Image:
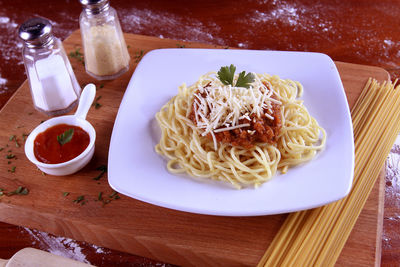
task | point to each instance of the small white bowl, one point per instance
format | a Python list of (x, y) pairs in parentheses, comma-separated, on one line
[(78, 119)]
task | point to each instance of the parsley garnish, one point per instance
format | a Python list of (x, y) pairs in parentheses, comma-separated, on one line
[(226, 75), (65, 137)]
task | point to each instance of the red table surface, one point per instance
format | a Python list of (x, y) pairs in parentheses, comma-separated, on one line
[(364, 32)]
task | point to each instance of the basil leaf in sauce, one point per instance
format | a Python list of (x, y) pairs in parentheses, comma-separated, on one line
[(65, 137)]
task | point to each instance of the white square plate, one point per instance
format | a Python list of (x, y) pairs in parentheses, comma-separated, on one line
[(136, 170)]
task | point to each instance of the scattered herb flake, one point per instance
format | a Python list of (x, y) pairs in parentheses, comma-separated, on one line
[(100, 197), (96, 104), (79, 199), (180, 45), (65, 137), (24, 191), (24, 136), (1, 193), (12, 169), (128, 46), (103, 169), (113, 194), (1, 148), (77, 55), (19, 191), (10, 156), (139, 56), (8, 162), (12, 137), (101, 85), (65, 194)]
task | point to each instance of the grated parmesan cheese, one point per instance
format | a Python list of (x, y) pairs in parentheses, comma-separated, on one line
[(219, 107)]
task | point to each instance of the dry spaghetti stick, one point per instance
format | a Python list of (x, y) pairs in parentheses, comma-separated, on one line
[(361, 189)]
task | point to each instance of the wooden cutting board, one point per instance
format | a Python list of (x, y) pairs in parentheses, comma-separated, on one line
[(139, 228)]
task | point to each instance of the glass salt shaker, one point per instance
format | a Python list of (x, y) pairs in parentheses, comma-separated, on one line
[(54, 87), (105, 51)]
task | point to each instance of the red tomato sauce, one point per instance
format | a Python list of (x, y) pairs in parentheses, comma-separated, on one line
[(47, 149)]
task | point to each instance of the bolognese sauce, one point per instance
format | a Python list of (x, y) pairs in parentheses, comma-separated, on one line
[(255, 129)]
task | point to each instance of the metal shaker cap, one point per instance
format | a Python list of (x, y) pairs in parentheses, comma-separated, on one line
[(93, 7), (36, 32)]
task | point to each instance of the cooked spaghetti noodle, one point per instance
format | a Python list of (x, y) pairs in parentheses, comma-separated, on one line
[(193, 148)]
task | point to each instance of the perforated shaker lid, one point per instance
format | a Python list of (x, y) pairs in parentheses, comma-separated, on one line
[(94, 6), (36, 32)]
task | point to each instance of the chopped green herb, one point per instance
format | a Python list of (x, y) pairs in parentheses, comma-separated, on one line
[(1, 148), (96, 104), (128, 46), (12, 137), (65, 194), (103, 169), (106, 201), (8, 162), (1, 189), (19, 191), (100, 197), (65, 137), (9, 150), (113, 194), (24, 136), (139, 56), (1, 193), (20, 126), (10, 156), (12, 169), (79, 199), (226, 75), (77, 55), (226, 47), (24, 191), (101, 85), (180, 45)]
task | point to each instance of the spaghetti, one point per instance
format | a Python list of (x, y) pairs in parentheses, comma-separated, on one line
[(316, 237), (192, 142)]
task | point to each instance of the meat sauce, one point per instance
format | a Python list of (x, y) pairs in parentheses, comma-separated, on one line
[(47, 149), (261, 130)]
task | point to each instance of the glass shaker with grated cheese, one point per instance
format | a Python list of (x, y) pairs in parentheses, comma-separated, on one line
[(105, 51)]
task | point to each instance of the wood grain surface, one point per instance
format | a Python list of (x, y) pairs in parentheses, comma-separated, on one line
[(139, 228)]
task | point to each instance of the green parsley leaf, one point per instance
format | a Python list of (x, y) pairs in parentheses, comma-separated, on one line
[(65, 137), (226, 74), (244, 80), (65, 194)]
